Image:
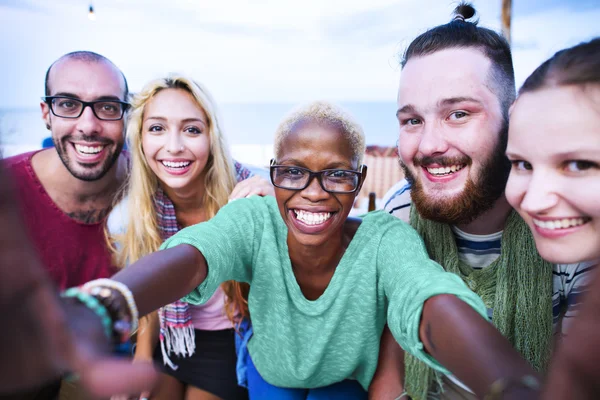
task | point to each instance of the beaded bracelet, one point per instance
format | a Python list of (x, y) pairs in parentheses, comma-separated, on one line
[(500, 386), (96, 287), (93, 304)]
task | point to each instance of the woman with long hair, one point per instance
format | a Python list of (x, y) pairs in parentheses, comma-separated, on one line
[(181, 175)]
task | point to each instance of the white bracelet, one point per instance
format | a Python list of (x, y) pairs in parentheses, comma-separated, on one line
[(97, 284)]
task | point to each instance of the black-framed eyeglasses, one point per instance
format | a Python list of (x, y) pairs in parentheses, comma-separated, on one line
[(292, 177), (68, 107)]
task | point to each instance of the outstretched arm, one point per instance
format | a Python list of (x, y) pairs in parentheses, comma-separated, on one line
[(471, 348), (163, 277)]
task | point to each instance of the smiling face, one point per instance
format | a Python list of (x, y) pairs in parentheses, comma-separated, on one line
[(314, 216), (175, 140), (88, 147), (554, 146), (450, 141)]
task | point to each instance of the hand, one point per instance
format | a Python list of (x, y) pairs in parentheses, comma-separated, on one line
[(251, 186), (101, 374)]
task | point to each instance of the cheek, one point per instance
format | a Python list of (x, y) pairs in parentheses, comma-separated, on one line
[(516, 188), (584, 195), (200, 147), (407, 147)]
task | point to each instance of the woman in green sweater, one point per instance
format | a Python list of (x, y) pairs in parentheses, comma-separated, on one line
[(323, 286)]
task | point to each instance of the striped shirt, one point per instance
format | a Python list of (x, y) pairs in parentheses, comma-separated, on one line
[(479, 251)]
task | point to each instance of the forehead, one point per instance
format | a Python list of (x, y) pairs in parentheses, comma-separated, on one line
[(449, 73), (317, 144), (87, 80), (174, 103), (557, 119)]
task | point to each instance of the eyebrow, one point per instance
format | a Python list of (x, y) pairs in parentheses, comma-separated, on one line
[(454, 100), (185, 120), (409, 108), (298, 163), (74, 96)]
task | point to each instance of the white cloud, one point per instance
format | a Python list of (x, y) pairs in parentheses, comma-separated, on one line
[(256, 51)]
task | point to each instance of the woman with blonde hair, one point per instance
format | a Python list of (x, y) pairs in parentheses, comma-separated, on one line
[(181, 174)]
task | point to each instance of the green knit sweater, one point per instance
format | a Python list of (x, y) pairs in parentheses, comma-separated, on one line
[(384, 275)]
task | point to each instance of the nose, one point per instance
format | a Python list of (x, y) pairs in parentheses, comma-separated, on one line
[(541, 194), (88, 123), (433, 140), (174, 143), (314, 192)]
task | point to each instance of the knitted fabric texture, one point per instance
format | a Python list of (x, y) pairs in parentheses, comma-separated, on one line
[(176, 327), (517, 286)]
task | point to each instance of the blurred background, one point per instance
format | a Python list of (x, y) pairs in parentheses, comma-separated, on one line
[(258, 58)]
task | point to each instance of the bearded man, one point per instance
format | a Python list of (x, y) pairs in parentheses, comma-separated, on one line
[(456, 88)]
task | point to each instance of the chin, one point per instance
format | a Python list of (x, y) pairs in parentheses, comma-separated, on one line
[(567, 254)]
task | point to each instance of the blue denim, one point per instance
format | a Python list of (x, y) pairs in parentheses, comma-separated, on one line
[(243, 334), (258, 389)]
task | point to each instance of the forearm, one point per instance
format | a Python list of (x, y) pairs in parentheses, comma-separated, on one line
[(147, 336), (164, 277), (574, 368), (388, 381), (470, 347)]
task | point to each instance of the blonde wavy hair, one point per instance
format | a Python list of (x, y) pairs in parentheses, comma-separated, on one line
[(142, 235)]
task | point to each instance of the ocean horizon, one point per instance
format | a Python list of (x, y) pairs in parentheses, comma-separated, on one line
[(249, 128)]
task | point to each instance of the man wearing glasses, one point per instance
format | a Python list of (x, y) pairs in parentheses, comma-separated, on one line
[(65, 192)]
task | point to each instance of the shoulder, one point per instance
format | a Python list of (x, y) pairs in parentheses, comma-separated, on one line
[(397, 200), (390, 228), (116, 223), (18, 160)]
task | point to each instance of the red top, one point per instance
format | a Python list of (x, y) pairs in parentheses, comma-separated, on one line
[(72, 252)]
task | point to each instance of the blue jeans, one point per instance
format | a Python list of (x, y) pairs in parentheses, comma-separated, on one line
[(259, 389)]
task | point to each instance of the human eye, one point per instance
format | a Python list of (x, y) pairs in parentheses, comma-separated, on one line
[(155, 128), (410, 121), (66, 104), (340, 174), (291, 172), (193, 130), (521, 165), (579, 165), (456, 115)]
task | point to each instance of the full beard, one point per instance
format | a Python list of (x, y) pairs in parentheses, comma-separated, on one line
[(88, 173), (478, 196)]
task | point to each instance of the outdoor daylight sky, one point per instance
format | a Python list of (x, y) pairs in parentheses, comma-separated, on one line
[(263, 50)]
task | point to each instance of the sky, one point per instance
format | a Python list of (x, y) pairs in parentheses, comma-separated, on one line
[(263, 51)]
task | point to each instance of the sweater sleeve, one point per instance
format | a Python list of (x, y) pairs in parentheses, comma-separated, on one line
[(409, 278), (227, 242)]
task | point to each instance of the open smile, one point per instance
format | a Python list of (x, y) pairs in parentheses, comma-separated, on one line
[(309, 222), (89, 153), (444, 171), (555, 228), (177, 166)]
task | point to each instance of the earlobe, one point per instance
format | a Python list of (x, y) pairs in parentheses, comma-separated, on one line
[(45, 115)]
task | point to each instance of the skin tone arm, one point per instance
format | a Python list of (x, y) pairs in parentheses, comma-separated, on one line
[(452, 332), (574, 370), (388, 381), (42, 336)]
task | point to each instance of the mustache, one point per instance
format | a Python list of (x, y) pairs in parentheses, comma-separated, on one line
[(87, 138), (442, 161)]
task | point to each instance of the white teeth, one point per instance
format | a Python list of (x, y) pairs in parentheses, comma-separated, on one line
[(310, 218), (180, 164), (88, 149), (445, 170), (560, 223)]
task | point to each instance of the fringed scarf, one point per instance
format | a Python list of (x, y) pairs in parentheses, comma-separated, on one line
[(517, 286), (176, 327)]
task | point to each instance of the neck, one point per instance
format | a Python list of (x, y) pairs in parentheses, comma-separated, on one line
[(189, 204), (317, 259), (491, 221)]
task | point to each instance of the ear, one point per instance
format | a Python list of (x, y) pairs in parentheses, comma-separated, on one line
[(46, 114), (362, 178)]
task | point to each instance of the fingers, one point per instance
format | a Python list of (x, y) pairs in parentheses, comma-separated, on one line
[(256, 185), (105, 377)]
